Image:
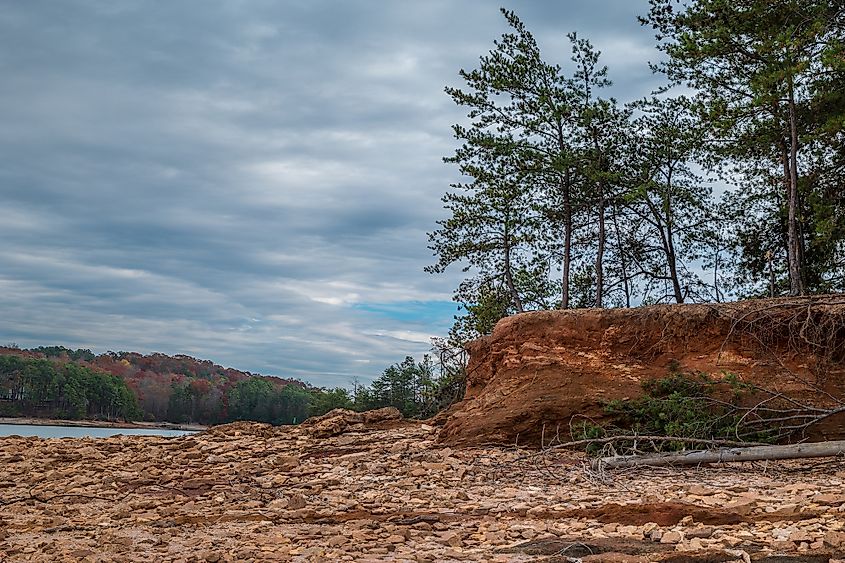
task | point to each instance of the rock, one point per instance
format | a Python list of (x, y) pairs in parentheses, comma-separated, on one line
[(332, 423), (613, 557), (695, 544), (835, 539), (338, 421), (671, 537), (450, 538), (382, 415), (742, 506), (351, 497), (648, 528), (337, 541), (800, 536), (739, 554), (828, 499), (700, 532), (700, 491), (296, 502), (286, 462)]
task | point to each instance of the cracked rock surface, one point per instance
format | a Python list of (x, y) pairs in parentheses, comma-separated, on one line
[(381, 489)]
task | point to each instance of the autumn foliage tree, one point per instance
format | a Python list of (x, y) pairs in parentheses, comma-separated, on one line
[(59, 382)]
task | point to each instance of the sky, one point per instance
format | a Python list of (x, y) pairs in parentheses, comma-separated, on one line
[(248, 181)]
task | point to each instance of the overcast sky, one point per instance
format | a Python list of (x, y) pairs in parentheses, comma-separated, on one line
[(247, 181)]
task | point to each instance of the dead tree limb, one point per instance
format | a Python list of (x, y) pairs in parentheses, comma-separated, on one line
[(726, 455), (647, 438)]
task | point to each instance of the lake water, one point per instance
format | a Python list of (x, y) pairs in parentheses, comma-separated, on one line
[(81, 432)]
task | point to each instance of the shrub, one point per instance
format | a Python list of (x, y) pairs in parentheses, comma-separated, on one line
[(692, 405)]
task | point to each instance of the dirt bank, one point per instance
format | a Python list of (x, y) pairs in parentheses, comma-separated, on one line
[(371, 490), (539, 369)]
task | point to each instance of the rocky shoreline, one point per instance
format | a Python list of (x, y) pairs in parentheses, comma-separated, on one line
[(356, 488)]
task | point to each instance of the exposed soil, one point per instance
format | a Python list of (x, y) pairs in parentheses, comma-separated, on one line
[(537, 370)]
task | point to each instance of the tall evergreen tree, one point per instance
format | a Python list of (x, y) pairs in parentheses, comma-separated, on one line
[(492, 221), (669, 197), (517, 93), (760, 68), (600, 123)]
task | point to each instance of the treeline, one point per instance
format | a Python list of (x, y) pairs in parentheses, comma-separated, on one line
[(572, 199), (57, 382), (177, 389), (416, 389), (41, 388)]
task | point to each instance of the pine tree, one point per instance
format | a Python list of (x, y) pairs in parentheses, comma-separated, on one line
[(762, 69), (492, 220), (669, 197), (516, 94)]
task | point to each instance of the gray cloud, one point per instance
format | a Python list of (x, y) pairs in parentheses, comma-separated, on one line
[(247, 181)]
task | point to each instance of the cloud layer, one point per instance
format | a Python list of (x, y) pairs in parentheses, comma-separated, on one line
[(250, 181)]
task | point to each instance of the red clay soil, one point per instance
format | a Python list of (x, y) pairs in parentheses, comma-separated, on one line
[(537, 370)]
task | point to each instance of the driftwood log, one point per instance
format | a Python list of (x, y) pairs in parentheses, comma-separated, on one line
[(725, 455)]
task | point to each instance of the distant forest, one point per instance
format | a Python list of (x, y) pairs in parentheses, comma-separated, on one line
[(57, 382)]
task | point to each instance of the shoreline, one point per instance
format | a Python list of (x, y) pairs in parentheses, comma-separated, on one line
[(141, 500), (101, 424)]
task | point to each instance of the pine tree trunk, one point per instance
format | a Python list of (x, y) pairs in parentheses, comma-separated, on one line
[(567, 239), (672, 260), (716, 275), (517, 302), (794, 254), (600, 255), (671, 255), (626, 284)]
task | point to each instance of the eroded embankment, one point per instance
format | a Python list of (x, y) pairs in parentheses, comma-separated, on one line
[(374, 488), (538, 370)]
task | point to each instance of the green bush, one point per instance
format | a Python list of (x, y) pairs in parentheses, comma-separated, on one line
[(692, 405)]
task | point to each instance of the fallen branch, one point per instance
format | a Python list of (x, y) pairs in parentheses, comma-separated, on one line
[(642, 438), (726, 455)]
